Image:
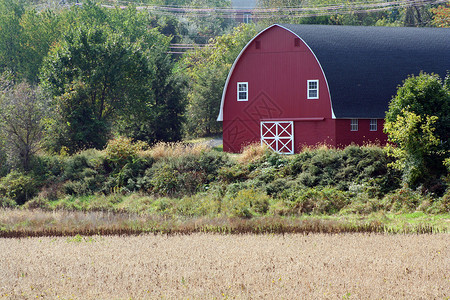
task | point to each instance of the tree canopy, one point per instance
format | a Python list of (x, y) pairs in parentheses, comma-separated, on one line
[(207, 70), (418, 124)]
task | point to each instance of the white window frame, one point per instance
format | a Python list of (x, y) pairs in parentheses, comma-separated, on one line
[(373, 125), (246, 91), (354, 125), (316, 81)]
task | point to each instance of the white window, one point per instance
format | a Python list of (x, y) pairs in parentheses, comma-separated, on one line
[(313, 89), (354, 125), (242, 91), (373, 125)]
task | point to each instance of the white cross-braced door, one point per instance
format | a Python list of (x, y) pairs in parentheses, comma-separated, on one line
[(279, 136)]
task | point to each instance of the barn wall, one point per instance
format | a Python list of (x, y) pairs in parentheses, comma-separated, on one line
[(344, 136), (277, 75), (239, 133), (314, 133)]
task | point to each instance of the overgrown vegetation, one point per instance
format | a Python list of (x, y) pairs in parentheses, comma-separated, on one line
[(195, 181)]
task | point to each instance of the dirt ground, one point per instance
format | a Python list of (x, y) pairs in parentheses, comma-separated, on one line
[(208, 266)]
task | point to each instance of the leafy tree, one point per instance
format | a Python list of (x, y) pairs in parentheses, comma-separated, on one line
[(207, 69), (93, 74), (25, 38), (418, 123), (441, 16), (39, 31), (21, 112), (10, 35)]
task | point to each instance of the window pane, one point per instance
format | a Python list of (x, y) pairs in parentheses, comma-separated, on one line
[(313, 94)]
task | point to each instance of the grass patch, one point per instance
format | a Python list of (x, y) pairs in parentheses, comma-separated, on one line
[(22, 223)]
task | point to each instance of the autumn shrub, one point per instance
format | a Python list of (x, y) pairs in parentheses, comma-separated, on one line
[(172, 150), (253, 152)]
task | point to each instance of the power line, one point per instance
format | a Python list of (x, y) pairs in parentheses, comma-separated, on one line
[(288, 12)]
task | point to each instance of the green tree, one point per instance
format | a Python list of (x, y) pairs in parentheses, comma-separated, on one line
[(25, 38), (93, 75), (418, 125), (10, 35), (21, 110), (207, 70)]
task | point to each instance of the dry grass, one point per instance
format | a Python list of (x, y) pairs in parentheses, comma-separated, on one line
[(207, 266), (162, 150), (253, 152), (37, 223)]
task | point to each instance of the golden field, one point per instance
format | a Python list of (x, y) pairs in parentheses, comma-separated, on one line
[(213, 266)]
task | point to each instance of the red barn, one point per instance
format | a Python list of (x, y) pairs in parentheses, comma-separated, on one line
[(297, 85)]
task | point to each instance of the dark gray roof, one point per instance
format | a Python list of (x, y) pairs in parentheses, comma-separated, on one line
[(365, 65)]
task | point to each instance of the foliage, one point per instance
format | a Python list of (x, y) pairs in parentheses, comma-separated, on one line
[(26, 35), (414, 140), (246, 203), (418, 123), (336, 12), (126, 177), (93, 74), (21, 110), (207, 69), (18, 187), (184, 175), (121, 150), (441, 17)]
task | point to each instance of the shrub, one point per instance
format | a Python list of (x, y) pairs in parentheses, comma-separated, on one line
[(201, 204), (123, 150), (404, 199), (18, 187), (325, 200), (442, 205), (185, 175), (7, 202), (246, 204)]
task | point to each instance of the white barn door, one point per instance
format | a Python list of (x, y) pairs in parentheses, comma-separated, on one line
[(279, 136)]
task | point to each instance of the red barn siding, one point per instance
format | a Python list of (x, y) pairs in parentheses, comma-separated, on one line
[(361, 137), (277, 75)]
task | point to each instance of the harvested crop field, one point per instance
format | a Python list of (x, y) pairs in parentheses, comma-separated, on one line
[(209, 266)]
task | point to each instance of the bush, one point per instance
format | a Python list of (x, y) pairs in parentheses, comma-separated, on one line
[(246, 204), (18, 187), (185, 175), (325, 200), (442, 205), (7, 202), (404, 200), (123, 150)]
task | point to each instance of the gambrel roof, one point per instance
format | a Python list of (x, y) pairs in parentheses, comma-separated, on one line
[(364, 65)]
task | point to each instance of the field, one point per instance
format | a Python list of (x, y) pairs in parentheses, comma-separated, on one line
[(214, 266)]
